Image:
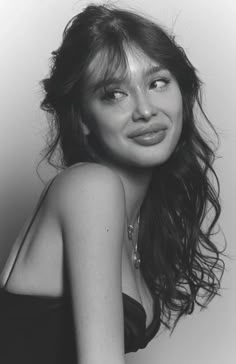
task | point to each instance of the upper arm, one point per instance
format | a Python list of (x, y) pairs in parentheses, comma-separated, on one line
[(92, 212)]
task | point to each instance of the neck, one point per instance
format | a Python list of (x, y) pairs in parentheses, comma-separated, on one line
[(135, 182)]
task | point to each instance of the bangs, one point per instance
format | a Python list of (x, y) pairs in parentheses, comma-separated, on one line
[(108, 66)]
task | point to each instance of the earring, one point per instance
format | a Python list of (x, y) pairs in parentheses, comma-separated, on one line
[(85, 130)]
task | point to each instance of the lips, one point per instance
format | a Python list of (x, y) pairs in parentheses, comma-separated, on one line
[(147, 130)]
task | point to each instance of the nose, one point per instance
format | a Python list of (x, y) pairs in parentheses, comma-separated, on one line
[(144, 108)]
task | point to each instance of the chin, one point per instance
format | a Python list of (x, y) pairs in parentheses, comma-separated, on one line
[(151, 164), (152, 158)]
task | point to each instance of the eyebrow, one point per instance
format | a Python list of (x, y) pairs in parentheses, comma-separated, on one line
[(118, 80), (153, 69), (104, 83)]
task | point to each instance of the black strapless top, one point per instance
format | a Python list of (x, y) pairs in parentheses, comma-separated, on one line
[(39, 329)]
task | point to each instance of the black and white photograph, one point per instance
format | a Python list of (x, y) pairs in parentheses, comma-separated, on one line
[(117, 182)]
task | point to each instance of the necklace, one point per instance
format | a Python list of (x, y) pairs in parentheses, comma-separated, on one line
[(134, 239)]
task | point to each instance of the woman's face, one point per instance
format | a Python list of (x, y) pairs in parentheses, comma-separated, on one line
[(135, 119)]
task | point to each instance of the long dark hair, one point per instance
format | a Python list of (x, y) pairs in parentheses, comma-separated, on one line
[(180, 262)]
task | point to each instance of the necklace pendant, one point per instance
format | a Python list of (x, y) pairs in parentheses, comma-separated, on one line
[(136, 259), (135, 255), (130, 232)]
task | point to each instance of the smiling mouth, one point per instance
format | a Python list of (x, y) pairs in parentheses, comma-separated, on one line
[(147, 131), (150, 138)]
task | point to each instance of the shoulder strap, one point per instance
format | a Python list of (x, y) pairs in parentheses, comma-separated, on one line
[(17, 247)]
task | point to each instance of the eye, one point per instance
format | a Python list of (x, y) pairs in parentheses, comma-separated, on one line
[(159, 83), (113, 95)]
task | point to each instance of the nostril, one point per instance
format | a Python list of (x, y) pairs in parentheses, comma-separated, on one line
[(144, 112)]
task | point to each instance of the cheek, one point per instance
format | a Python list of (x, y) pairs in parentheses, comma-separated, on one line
[(176, 111), (177, 108), (178, 121), (101, 125), (95, 119)]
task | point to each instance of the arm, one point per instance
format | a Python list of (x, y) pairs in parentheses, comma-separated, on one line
[(92, 212)]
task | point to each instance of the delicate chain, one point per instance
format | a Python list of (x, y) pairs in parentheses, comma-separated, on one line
[(135, 256)]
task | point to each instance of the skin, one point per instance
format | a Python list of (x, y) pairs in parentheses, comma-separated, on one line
[(148, 95), (78, 215)]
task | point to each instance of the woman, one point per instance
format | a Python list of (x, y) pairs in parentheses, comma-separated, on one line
[(117, 244)]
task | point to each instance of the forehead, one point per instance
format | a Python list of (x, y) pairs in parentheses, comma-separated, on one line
[(138, 63), (111, 66)]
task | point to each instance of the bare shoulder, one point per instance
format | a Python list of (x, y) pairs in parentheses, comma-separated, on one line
[(87, 188), (86, 175)]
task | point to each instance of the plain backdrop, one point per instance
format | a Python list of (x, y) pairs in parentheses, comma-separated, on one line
[(29, 31)]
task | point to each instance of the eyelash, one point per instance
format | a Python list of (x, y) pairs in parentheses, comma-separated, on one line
[(163, 80), (108, 95)]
